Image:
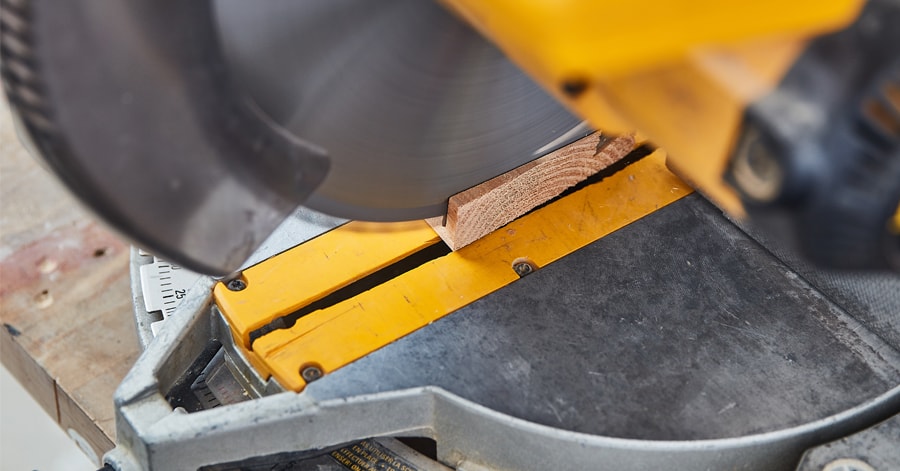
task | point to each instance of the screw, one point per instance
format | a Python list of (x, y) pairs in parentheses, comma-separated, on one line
[(523, 268), (310, 373), (236, 284)]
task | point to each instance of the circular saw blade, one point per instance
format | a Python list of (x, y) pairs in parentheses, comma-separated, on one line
[(411, 105)]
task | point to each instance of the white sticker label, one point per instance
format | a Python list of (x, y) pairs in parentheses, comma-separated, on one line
[(164, 286)]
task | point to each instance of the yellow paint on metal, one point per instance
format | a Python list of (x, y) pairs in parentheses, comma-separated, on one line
[(558, 40), (312, 270), (682, 72), (694, 108), (335, 336)]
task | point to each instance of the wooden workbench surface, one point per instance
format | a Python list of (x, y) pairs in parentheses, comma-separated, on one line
[(65, 301)]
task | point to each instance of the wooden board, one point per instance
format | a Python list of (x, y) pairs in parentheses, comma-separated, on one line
[(478, 211), (65, 300)]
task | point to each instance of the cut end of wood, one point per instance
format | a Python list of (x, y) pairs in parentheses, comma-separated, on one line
[(437, 223), (480, 210)]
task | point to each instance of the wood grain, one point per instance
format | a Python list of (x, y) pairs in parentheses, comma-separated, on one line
[(478, 211), (65, 300)]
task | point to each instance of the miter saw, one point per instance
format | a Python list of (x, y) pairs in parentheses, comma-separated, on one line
[(625, 325)]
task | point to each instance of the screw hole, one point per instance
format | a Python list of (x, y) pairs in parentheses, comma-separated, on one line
[(573, 87), (43, 299), (100, 252)]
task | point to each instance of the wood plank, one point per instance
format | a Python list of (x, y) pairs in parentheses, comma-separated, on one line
[(478, 211), (27, 371), (83, 429), (65, 298)]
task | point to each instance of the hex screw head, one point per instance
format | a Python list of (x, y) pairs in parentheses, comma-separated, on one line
[(236, 284), (523, 268), (310, 373)]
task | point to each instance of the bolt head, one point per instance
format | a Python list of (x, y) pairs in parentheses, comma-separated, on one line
[(311, 373), (523, 268), (236, 284)]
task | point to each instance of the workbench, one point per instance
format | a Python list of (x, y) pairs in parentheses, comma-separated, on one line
[(65, 301)]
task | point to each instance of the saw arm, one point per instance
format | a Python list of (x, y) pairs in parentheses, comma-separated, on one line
[(195, 129)]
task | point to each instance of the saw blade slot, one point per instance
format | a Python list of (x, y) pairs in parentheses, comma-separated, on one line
[(364, 284)]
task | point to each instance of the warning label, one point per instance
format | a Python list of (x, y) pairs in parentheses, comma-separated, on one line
[(370, 456)]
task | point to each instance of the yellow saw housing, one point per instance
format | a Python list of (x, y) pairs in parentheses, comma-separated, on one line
[(650, 65)]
